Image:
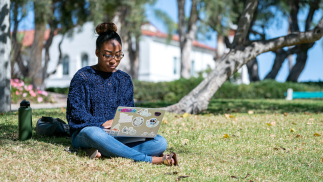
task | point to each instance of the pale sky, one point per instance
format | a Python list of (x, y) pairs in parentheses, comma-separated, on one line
[(312, 70)]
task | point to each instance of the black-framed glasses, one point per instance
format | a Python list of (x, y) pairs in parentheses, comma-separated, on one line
[(117, 57)]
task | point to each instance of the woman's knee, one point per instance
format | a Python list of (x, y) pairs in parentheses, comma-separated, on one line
[(92, 132), (161, 142)]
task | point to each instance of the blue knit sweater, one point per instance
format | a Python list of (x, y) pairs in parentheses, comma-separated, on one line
[(94, 96)]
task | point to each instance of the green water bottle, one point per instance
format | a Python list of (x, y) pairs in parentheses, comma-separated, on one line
[(24, 119)]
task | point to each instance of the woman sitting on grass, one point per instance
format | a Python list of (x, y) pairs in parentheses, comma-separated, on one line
[(95, 93)]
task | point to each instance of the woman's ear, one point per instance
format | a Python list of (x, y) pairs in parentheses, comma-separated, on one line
[(97, 52)]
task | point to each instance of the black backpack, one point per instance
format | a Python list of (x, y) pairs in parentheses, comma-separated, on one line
[(49, 126)]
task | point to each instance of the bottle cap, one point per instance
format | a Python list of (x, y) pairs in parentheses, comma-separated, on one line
[(24, 103)]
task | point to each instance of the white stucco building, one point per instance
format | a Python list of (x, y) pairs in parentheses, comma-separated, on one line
[(158, 61)]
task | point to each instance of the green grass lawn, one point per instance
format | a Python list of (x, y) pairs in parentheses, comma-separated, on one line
[(276, 143)]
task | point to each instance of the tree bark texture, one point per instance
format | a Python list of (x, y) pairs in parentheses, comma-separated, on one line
[(198, 99), (133, 50), (302, 53), (5, 62), (35, 62), (281, 55), (299, 66), (253, 70), (16, 47), (186, 35)]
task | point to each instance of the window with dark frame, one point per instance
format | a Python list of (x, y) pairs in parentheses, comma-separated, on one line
[(65, 63), (84, 60), (192, 68), (175, 65)]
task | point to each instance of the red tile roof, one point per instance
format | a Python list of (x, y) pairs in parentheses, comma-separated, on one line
[(29, 37), (175, 38)]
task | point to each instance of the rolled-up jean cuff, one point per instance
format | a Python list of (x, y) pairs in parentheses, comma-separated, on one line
[(148, 159)]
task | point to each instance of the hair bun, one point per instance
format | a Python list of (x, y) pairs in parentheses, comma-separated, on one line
[(105, 27)]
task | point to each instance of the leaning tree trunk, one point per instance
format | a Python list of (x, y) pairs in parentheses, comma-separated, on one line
[(198, 99), (253, 70), (5, 63)]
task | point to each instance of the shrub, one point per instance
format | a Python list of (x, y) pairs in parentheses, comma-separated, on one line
[(173, 91), (21, 91), (63, 90)]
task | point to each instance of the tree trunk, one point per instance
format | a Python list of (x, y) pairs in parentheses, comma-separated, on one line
[(299, 66), (35, 62), (303, 49), (290, 63), (198, 99), (47, 58), (133, 50), (5, 63), (253, 70), (186, 35), (281, 55)]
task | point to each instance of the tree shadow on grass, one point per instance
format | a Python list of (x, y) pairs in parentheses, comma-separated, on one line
[(9, 135), (263, 106), (221, 106)]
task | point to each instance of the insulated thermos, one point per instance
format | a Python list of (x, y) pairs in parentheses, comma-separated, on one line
[(24, 119)]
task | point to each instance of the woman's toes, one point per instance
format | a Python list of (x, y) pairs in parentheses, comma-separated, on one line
[(98, 155)]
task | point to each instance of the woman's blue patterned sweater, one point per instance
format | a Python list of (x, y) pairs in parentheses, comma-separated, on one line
[(94, 96)]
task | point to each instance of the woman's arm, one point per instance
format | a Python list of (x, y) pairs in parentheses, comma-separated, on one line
[(126, 94)]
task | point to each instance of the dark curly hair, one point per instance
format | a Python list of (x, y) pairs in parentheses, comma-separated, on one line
[(106, 31)]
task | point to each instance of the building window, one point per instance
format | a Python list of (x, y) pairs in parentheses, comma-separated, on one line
[(192, 68), (66, 62), (84, 60), (175, 65)]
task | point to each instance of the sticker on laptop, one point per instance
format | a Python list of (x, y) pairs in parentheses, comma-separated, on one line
[(144, 113), (157, 113), (145, 134), (138, 121), (127, 110), (116, 127), (129, 130), (125, 118), (152, 134), (152, 123), (115, 130)]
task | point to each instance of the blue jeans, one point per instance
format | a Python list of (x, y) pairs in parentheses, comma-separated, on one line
[(95, 137)]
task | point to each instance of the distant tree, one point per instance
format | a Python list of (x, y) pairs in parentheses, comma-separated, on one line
[(60, 16), (292, 9), (198, 99), (5, 47)]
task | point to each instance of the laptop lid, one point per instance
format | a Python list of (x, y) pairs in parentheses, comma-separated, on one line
[(136, 122)]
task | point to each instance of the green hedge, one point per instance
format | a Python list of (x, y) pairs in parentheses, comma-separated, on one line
[(63, 90), (173, 91)]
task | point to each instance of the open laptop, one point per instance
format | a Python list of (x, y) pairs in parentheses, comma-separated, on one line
[(136, 122)]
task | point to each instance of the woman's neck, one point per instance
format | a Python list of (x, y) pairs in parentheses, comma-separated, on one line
[(99, 68)]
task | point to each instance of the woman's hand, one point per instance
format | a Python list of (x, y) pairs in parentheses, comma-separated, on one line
[(108, 124)]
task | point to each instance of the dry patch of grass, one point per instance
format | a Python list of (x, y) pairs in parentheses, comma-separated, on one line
[(257, 147)]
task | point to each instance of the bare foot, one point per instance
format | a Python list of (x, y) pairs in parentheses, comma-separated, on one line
[(98, 155)]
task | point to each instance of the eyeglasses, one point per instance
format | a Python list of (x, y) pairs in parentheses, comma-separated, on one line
[(117, 57)]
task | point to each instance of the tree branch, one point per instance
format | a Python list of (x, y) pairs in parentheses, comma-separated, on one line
[(244, 22), (295, 38), (59, 57)]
